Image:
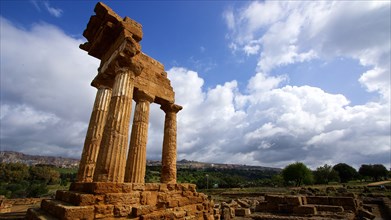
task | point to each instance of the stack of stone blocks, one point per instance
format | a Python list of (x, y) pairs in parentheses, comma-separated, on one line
[(128, 201), (308, 205)]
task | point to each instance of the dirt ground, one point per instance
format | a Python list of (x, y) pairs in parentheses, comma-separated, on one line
[(18, 211)]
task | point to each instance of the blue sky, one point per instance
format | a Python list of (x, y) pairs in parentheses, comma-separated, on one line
[(262, 82)]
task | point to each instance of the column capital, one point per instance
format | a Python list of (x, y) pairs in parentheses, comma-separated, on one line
[(171, 107), (141, 95)]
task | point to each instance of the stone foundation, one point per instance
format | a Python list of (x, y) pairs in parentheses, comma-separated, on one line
[(126, 201), (294, 207)]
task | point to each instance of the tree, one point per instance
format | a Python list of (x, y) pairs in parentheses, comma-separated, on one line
[(375, 171), (13, 172), (365, 170), (37, 190), (379, 171), (345, 172), (277, 180), (46, 174), (325, 174), (298, 173)]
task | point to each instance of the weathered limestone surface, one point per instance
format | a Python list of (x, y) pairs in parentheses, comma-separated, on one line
[(128, 200), (309, 207), (137, 156), (169, 144), (154, 79), (111, 162), (94, 135)]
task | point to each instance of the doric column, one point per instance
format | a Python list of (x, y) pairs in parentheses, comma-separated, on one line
[(110, 166), (168, 174), (94, 135), (137, 156)]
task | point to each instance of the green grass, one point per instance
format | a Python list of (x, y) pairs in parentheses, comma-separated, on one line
[(53, 189), (66, 170)]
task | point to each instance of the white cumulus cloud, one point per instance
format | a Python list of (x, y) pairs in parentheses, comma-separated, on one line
[(293, 32)]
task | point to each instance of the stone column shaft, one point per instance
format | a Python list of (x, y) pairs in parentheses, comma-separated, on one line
[(94, 135), (168, 174), (111, 162), (137, 156)]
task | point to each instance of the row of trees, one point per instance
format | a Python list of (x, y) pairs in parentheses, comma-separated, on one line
[(298, 173), (222, 178), (18, 180)]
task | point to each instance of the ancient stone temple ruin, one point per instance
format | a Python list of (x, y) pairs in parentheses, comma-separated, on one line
[(110, 182)]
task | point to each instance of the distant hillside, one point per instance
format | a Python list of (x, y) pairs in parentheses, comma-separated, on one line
[(187, 164), (16, 157)]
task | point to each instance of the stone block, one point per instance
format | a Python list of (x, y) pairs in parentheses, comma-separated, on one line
[(122, 210), (261, 207), (304, 200), (305, 210), (242, 212), (243, 204), (192, 187), (99, 199), (200, 207), (195, 199), (62, 195), (343, 201), (5, 209), (85, 199), (183, 186), (162, 214), (144, 197), (37, 214), (318, 200), (285, 208), (142, 210), (173, 186), (179, 214), (138, 186), (66, 211), (163, 188), (272, 207), (122, 198), (275, 199), (127, 187), (208, 217), (366, 214), (106, 187), (367, 207), (329, 208), (152, 186), (190, 209), (294, 200), (183, 201), (187, 193), (75, 186), (172, 203), (104, 211), (191, 217), (162, 197), (75, 198), (227, 214), (149, 198)]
